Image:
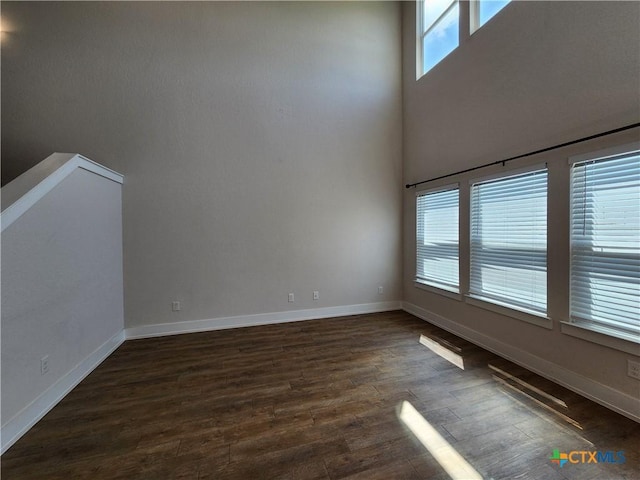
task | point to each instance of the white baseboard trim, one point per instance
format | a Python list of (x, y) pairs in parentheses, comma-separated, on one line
[(17, 426), (193, 326), (618, 401)]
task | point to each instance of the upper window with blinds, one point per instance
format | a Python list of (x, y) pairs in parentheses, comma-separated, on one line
[(605, 245), (437, 239), (509, 241)]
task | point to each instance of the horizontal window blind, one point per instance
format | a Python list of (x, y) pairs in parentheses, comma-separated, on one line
[(509, 241), (437, 239), (605, 244)]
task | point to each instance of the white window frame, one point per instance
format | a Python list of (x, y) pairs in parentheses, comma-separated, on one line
[(423, 30), (586, 330), (424, 284), (468, 24), (474, 15), (530, 316)]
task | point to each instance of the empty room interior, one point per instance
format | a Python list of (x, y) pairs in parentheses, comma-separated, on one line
[(320, 240)]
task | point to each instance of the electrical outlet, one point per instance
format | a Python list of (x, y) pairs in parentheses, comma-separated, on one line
[(44, 365), (175, 306), (633, 369), (380, 290), (316, 295), (291, 298)]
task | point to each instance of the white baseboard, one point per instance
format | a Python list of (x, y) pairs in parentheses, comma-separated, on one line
[(193, 326), (17, 426), (620, 402)]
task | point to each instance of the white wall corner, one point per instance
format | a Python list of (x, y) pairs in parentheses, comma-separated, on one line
[(618, 401), (23, 192), (19, 424)]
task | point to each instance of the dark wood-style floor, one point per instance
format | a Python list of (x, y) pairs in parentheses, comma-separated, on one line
[(315, 400)]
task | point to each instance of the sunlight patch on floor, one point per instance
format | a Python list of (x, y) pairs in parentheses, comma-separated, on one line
[(448, 457)]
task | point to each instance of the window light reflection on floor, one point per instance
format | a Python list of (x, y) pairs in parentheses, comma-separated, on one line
[(445, 353), (448, 457), (527, 386), (543, 407)]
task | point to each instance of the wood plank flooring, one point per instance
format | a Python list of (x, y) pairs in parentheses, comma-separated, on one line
[(315, 400)]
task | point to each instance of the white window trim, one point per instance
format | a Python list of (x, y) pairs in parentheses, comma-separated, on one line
[(508, 174), (587, 330), (419, 30), (594, 334), (469, 23), (424, 284), (440, 290), (474, 16), (603, 154), (523, 314), (443, 188), (425, 31), (422, 32), (513, 311)]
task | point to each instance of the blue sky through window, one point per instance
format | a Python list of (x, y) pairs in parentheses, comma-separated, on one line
[(439, 26), (488, 8), (441, 40)]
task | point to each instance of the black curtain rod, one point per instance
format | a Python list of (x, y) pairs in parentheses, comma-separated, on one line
[(566, 144)]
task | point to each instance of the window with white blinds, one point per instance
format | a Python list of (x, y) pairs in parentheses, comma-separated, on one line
[(509, 241), (605, 245), (437, 239)]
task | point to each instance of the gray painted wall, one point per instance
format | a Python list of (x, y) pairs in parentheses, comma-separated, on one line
[(538, 74), (61, 285), (260, 143)]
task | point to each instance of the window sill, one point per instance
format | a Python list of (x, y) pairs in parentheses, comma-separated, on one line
[(593, 334), (439, 290), (513, 312)]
